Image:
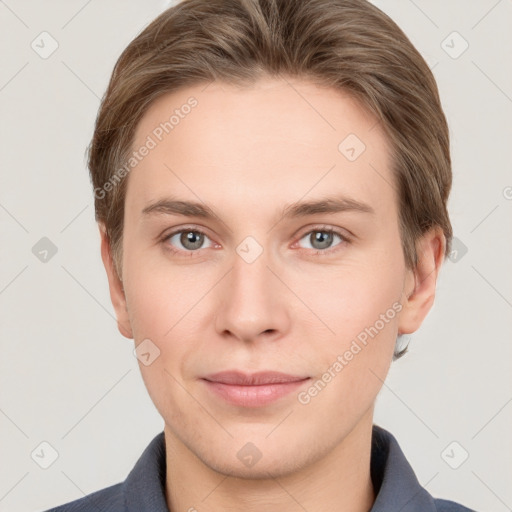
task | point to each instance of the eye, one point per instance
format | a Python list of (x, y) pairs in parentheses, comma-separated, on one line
[(321, 239), (190, 240)]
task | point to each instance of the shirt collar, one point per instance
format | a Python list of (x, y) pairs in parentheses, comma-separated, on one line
[(396, 486)]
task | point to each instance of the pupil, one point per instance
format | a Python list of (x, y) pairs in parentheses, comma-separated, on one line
[(323, 238), (191, 240)]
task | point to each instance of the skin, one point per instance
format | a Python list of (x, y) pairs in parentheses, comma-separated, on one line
[(247, 153)]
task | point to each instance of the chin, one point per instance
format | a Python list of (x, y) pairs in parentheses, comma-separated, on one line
[(262, 459), (262, 470)]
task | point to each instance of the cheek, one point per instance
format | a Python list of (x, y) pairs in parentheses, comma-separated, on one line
[(348, 300), (163, 306), (156, 296), (359, 308), (362, 311), (158, 305)]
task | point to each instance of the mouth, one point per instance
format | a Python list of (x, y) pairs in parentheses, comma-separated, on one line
[(252, 390)]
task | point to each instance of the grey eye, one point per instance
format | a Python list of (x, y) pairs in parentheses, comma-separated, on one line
[(190, 240), (320, 239)]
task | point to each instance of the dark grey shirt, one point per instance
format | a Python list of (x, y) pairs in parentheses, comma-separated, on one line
[(396, 486)]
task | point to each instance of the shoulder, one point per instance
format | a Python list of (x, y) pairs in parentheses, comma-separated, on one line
[(109, 499), (142, 490), (451, 506), (395, 482)]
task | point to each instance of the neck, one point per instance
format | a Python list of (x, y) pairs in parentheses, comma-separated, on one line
[(340, 480)]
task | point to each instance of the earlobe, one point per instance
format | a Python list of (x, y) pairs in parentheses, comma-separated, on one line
[(117, 294), (420, 283)]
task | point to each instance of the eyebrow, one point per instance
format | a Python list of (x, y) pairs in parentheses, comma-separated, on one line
[(171, 206)]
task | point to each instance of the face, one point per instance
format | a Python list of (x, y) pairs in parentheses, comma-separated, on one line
[(289, 260)]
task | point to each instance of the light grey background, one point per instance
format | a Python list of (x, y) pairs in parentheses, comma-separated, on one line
[(69, 378)]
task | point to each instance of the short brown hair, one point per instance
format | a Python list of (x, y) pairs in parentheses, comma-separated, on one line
[(345, 44)]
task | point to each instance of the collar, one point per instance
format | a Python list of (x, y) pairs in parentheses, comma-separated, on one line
[(396, 486)]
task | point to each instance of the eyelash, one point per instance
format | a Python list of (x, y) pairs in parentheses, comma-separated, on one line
[(317, 252)]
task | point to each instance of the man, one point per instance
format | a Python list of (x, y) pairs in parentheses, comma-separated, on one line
[(270, 184)]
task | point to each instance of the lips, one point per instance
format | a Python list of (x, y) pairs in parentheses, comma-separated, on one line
[(252, 390), (237, 378)]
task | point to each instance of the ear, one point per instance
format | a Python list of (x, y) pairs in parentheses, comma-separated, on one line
[(117, 295), (420, 283)]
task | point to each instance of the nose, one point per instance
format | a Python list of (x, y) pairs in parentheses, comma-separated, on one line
[(253, 302)]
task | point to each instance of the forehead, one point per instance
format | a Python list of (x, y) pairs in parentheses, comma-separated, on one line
[(278, 139)]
